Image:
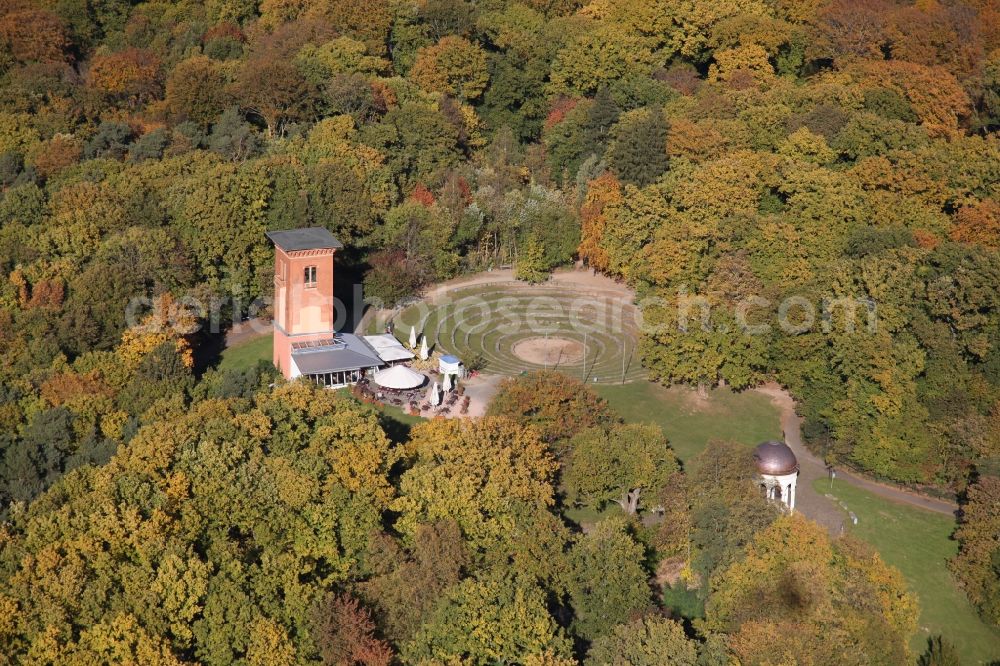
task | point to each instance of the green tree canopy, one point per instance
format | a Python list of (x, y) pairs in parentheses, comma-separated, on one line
[(626, 464)]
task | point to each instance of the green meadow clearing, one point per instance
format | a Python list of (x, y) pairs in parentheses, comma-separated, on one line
[(247, 354), (690, 422)]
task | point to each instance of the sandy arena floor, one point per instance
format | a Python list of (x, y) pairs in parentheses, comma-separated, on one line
[(548, 351)]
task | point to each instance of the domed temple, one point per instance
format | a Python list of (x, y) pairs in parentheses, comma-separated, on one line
[(779, 470)]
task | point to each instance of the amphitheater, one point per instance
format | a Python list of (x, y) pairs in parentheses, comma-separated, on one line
[(586, 333)]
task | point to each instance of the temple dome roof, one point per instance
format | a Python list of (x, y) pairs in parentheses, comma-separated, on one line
[(775, 458)]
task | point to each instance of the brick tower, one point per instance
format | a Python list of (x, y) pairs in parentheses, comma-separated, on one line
[(303, 291)]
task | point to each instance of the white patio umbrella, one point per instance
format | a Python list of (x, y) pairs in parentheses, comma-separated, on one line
[(447, 383), (399, 377), (413, 337), (434, 397), (424, 353)]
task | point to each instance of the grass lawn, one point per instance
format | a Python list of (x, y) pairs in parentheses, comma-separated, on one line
[(397, 414), (918, 543), (748, 418), (589, 516), (246, 355)]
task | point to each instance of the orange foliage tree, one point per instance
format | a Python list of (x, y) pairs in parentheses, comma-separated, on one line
[(979, 223), (857, 28), (697, 141), (35, 35), (931, 33), (561, 106), (935, 95), (56, 154), (422, 195), (67, 387), (47, 294), (130, 77), (345, 633)]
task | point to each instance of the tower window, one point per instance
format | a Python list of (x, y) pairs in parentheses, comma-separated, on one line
[(310, 275)]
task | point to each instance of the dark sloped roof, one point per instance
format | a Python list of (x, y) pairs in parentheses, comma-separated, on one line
[(331, 360), (312, 238), (775, 458), (354, 354)]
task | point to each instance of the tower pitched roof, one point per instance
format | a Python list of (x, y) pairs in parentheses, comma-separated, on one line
[(310, 238)]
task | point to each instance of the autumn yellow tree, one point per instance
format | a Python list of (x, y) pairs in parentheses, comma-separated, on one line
[(454, 66), (601, 192), (168, 321), (977, 536), (936, 96), (196, 90), (485, 474), (821, 596)]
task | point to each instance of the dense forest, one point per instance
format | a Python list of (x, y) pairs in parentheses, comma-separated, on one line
[(815, 149), (285, 527)]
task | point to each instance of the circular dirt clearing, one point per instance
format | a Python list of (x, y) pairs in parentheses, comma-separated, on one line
[(504, 327), (548, 351)]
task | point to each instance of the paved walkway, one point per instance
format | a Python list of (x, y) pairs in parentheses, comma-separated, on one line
[(820, 507), (480, 390)]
